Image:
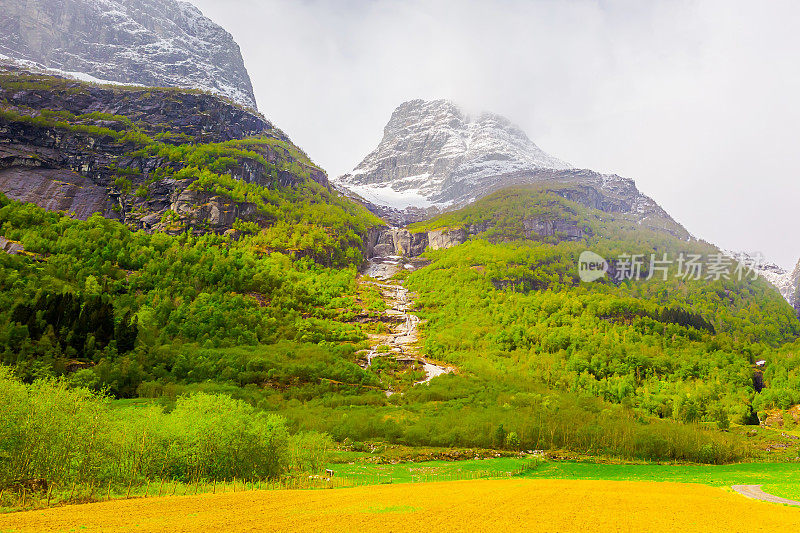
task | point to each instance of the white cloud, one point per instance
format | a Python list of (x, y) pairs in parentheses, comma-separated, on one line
[(695, 100)]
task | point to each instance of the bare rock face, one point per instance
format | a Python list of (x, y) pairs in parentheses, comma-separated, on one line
[(56, 190), (434, 157), (77, 170), (442, 239), (385, 242), (408, 244), (10, 247), (159, 43), (566, 230), (794, 289)]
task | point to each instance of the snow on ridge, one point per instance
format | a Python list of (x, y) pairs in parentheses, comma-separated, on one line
[(35, 67), (386, 195)]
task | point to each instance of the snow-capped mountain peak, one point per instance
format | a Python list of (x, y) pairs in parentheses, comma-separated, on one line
[(435, 157), (434, 154)]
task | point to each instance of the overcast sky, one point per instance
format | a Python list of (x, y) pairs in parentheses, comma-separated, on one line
[(695, 100)]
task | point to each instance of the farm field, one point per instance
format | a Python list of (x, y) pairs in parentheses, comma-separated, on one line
[(530, 504)]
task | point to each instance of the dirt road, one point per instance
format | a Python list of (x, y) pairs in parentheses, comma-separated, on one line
[(755, 492)]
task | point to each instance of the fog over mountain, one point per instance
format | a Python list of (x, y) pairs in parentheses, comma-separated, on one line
[(695, 100)]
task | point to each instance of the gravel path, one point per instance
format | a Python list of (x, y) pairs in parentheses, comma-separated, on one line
[(755, 492)]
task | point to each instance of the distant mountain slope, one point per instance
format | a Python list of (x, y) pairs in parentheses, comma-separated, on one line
[(794, 288), (506, 289), (434, 157), (147, 42)]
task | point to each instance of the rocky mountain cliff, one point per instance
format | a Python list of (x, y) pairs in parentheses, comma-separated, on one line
[(783, 280), (163, 159), (434, 157), (162, 43), (787, 282), (794, 288)]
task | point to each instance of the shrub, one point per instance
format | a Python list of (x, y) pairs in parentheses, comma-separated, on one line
[(512, 441)]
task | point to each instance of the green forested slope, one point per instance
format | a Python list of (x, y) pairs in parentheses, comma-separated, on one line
[(675, 348), (210, 290)]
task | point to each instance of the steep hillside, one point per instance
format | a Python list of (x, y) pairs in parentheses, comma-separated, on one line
[(164, 218), (793, 288), (159, 160), (785, 281), (162, 43), (561, 361)]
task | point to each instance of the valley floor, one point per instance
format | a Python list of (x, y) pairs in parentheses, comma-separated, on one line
[(519, 504)]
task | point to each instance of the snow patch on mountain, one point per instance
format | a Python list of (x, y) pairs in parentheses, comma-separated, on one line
[(145, 42), (32, 66), (386, 195)]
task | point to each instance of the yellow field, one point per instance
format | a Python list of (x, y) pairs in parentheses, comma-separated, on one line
[(512, 505)]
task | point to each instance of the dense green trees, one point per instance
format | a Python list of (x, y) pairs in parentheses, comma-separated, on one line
[(466, 411), (79, 324), (96, 292)]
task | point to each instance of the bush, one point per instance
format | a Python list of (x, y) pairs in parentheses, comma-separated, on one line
[(512, 441), (52, 432), (221, 438), (310, 451)]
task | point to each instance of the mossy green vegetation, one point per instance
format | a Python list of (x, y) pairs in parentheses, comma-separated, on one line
[(70, 436), (503, 212), (29, 81), (302, 217), (266, 172)]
